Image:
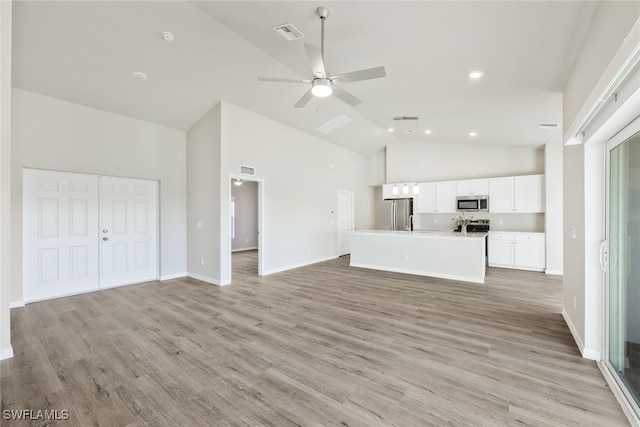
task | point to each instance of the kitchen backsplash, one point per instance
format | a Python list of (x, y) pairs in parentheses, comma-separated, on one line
[(532, 222)]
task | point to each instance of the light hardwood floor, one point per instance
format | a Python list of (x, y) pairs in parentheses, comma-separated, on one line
[(321, 345)]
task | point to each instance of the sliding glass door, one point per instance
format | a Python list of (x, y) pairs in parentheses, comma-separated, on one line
[(623, 269)]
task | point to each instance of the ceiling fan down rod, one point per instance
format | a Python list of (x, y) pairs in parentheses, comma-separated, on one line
[(323, 13)]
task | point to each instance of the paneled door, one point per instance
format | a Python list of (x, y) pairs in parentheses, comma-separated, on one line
[(84, 232), (60, 234), (128, 231)]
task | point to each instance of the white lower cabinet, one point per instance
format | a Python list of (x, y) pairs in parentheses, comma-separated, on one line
[(524, 251)]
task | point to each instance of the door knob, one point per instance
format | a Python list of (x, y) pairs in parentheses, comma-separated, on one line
[(105, 238), (104, 230)]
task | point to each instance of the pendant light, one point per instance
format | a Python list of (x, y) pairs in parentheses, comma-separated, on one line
[(405, 189), (395, 190), (416, 189)]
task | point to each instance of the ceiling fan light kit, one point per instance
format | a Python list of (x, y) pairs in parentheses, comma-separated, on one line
[(321, 88), (323, 84)]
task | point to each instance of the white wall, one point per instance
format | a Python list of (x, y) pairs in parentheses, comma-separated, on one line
[(611, 23), (302, 175), (432, 161), (553, 227), (613, 36), (203, 205), (573, 280), (52, 134), (5, 178), (246, 216)]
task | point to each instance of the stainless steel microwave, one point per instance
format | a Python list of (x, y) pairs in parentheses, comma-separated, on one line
[(472, 203)]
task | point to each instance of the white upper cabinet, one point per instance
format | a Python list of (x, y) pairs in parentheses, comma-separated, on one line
[(521, 194), (436, 197), (425, 201), (446, 196), (472, 187)]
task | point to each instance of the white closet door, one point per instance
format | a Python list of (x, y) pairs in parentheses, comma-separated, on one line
[(128, 231), (60, 234)]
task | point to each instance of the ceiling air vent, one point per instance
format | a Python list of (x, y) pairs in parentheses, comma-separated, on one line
[(247, 170), (289, 32), (547, 126), (334, 124)]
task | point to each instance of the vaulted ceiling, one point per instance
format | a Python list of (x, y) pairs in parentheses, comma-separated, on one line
[(86, 51)]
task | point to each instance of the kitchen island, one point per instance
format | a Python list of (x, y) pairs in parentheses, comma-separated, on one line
[(442, 254)]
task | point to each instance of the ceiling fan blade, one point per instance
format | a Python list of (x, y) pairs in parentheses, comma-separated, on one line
[(355, 76), (270, 79), (315, 59), (304, 100), (346, 97)]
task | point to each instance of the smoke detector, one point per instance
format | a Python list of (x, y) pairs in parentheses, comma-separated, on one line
[(167, 36)]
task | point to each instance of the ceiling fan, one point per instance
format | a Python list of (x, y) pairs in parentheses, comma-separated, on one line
[(323, 84)]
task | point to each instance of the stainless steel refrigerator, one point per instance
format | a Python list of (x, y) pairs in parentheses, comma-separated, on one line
[(395, 215)]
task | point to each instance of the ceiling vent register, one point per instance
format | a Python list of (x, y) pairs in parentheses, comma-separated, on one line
[(247, 170), (289, 32)]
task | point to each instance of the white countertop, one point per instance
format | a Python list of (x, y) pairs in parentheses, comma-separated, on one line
[(425, 234)]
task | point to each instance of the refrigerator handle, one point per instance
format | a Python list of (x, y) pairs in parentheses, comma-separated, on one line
[(393, 215), (410, 225)]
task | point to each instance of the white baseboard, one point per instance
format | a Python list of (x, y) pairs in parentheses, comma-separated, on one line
[(555, 272), (6, 353), (302, 264), (585, 352), (172, 276), (16, 304), (208, 279), (252, 248)]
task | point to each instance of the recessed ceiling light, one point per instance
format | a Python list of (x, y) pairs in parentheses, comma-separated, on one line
[(476, 74), (139, 75), (473, 133), (428, 131), (167, 36), (391, 129)]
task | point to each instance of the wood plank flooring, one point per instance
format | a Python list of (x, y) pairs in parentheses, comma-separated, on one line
[(321, 345)]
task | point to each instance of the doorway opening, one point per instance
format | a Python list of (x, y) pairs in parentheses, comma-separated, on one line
[(245, 213)]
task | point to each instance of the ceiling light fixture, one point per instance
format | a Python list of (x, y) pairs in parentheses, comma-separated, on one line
[(395, 190), (416, 189), (428, 131), (473, 133), (405, 189), (391, 130), (321, 88), (237, 182), (475, 75)]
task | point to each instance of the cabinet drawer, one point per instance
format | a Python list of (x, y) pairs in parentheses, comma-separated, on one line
[(530, 237), (501, 236)]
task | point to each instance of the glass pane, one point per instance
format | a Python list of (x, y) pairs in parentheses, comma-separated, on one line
[(624, 263)]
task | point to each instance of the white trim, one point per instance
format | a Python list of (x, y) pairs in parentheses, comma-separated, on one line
[(251, 248), (419, 273), (173, 276), (592, 354), (620, 396), (6, 353), (624, 61), (302, 264), (208, 279), (16, 304), (554, 272), (585, 352)]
